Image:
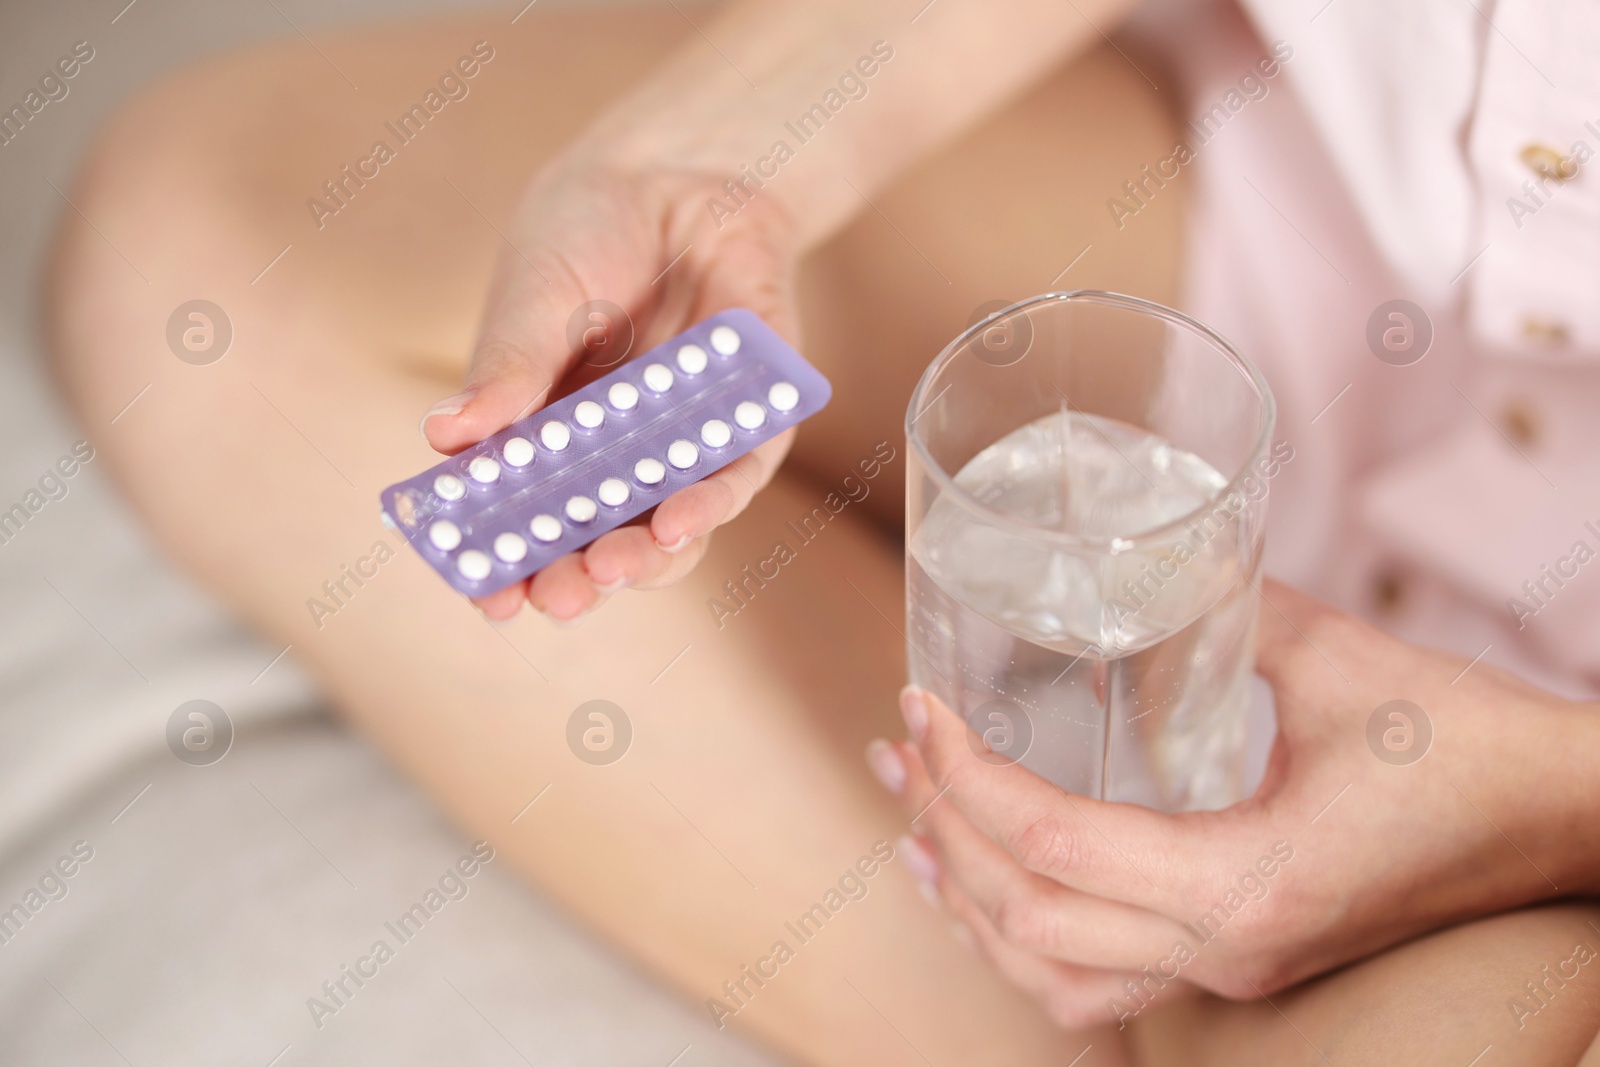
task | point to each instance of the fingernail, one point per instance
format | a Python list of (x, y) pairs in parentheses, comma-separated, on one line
[(613, 587), (930, 893), (450, 405), (915, 712), (885, 763), (918, 858), (677, 546), (963, 934)]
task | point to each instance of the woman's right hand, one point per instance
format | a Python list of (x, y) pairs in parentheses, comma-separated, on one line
[(591, 227)]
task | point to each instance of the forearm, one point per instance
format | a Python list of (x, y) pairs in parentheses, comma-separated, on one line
[(726, 100)]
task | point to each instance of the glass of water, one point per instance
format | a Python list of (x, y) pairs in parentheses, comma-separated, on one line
[(1085, 510)]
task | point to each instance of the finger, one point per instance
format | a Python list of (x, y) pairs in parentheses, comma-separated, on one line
[(629, 557), (1121, 851), (699, 508), (503, 603), (623, 558), (1073, 996), (1030, 911), (587, 239), (519, 355), (679, 563), (563, 590)]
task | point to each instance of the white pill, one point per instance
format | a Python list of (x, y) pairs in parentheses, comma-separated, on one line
[(449, 487), (546, 528), (750, 415), (589, 415), (692, 359), (518, 452), (650, 471), (725, 339), (484, 470), (658, 377), (473, 565), (510, 547), (555, 436), (581, 509), (444, 535), (715, 433), (682, 454), (614, 492), (783, 396), (622, 396)]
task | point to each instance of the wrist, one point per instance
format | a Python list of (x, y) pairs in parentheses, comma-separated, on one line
[(734, 150)]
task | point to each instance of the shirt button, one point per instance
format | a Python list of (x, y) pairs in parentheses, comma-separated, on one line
[(1521, 423), (1388, 592), (1544, 331), (1547, 162)]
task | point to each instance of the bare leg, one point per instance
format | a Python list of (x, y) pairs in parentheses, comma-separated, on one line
[(742, 799), (1442, 999)]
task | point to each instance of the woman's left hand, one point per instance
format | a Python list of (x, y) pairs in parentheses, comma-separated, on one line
[(1349, 845)]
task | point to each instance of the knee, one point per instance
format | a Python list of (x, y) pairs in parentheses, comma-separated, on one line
[(142, 215)]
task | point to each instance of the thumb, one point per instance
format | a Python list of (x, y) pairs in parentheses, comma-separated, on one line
[(589, 237), (520, 353), (1292, 638)]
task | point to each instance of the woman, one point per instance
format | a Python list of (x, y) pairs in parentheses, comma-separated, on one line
[(354, 279)]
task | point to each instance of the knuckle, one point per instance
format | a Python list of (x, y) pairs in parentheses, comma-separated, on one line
[(1046, 845), (496, 353), (1020, 920), (1329, 628), (946, 765), (1248, 975), (1072, 1009), (1231, 983)]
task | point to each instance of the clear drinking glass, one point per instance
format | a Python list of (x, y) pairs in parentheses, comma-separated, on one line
[(1085, 511)]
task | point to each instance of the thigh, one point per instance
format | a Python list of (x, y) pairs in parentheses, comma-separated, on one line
[(1523, 988), (742, 799)]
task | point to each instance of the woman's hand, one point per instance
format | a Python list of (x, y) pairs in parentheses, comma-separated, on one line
[(1349, 845), (610, 219), (591, 228)]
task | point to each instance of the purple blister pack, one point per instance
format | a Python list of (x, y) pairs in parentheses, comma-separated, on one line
[(550, 483)]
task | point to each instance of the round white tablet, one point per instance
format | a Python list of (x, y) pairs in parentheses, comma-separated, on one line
[(581, 509), (750, 415), (510, 547), (622, 396), (614, 492), (555, 436), (682, 454), (546, 528), (725, 339), (449, 487), (783, 396), (650, 471), (518, 452), (658, 377), (484, 470), (473, 565), (444, 535), (589, 415), (715, 433), (692, 359)]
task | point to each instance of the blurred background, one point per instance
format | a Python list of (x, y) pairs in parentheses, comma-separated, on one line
[(208, 900)]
